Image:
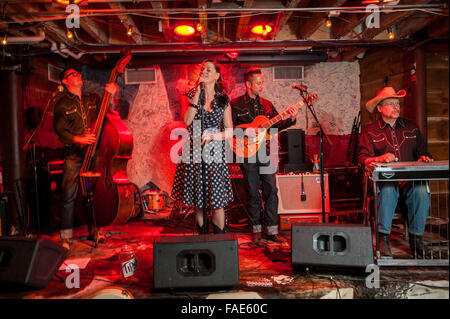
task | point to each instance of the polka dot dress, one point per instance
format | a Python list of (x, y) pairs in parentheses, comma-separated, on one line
[(187, 185)]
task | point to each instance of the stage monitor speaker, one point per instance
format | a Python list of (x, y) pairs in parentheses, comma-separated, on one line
[(195, 261), (292, 141), (331, 245), (29, 262), (292, 199)]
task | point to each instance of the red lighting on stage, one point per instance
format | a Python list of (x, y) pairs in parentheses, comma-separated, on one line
[(67, 2), (378, 1), (184, 30), (261, 29), (232, 55)]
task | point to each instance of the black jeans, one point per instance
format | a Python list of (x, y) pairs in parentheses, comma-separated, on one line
[(253, 181), (71, 172), (70, 181)]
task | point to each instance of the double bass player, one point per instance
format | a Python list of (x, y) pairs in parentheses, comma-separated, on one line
[(74, 112)]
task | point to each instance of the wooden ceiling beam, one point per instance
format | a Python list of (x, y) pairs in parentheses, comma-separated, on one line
[(203, 19), (285, 16), (244, 20), (389, 19), (311, 21), (164, 22), (94, 29), (347, 21), (127, 22)]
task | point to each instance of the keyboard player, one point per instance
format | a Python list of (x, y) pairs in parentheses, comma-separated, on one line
[(391, 139)]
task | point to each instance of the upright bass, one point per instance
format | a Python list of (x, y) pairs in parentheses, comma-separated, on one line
[(103, 178)]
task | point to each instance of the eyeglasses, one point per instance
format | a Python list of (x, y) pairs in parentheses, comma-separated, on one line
[(391, 104), (70, 74)]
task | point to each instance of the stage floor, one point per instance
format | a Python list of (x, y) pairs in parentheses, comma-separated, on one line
[(264, 272)]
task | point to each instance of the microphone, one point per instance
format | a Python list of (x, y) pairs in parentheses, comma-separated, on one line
[(298, 87), (59, 89)]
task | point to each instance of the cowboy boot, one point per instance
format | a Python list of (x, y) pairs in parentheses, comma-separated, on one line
[(417, 247), (385, 247), (217, 230)]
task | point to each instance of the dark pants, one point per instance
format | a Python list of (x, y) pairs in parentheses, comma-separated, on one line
[(70, 181), (253, 181), (71, 173)]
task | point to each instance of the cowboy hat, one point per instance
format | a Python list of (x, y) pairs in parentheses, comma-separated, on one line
[(385, 93)]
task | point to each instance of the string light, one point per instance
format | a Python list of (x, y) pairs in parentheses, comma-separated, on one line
[(69, 34), (391, 34), (328, 24), (199, 27), (5, 40), (129, 31)]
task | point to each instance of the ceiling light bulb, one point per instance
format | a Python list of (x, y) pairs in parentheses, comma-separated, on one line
[(391, 35), (328, 24)]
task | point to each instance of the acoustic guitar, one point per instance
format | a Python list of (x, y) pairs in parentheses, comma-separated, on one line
[(257, 131)]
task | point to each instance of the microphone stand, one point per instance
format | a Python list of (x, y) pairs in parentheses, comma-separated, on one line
[(201, 103), (321, 135)]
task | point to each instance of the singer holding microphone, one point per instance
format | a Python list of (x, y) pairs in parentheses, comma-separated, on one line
[(74, 112), (207, 98), (244, 110)]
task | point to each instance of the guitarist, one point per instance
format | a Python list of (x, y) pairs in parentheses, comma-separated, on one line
[(74, 112), (244, 110)]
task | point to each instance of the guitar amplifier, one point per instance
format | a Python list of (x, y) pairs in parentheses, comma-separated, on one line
[(301, 193), (287, 220)]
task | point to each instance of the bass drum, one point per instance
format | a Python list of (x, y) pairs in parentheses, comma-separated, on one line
[(112, 292)]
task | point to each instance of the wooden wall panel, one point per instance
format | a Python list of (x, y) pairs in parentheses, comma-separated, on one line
[(437, 102), (379, 68)]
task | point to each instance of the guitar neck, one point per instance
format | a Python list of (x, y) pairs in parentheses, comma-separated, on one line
[(280, 116)]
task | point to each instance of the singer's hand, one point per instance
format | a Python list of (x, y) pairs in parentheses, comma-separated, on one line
[(85, 139), (207, 137)]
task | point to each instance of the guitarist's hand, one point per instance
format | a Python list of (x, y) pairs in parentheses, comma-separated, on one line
[(292, 113), (111, 88), (85, 139)]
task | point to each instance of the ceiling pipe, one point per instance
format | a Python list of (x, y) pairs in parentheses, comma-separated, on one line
[(27, 39), (61, 15), (66, 50), (54, 48)]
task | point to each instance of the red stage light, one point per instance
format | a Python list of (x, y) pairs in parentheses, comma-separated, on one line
[(261, 29), (232, 55), (67, 2), (184, 30), (378, 1)]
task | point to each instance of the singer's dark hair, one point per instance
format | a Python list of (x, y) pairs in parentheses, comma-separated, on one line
[(250, 72), (219, 87)]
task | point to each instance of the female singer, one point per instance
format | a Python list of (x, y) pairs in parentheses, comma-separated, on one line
[(208, 96)]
